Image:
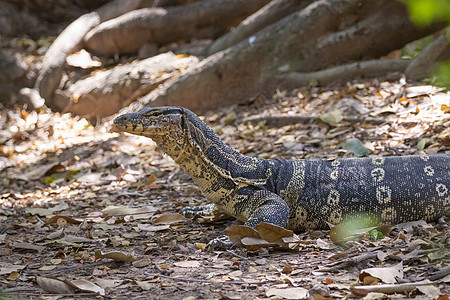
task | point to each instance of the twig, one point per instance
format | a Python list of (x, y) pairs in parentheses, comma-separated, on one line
[(440, 274), (391, 288), (337, 266), (204, 280), (237, 255), (279, 120), (54, 295)]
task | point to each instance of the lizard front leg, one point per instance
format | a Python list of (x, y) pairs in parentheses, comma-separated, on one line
[(261, 206)]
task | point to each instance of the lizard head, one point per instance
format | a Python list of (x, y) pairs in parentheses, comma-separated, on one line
[(152, 122)]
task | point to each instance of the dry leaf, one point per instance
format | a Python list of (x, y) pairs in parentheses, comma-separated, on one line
[(237, 232), (70, 220), (54, 286), (115, 255), (27, 246), (273, 233), (430, 291), (386, 275), (47, 268), (76, 239), (168, 219), (13, 275), (187, 264), (107, 283), (6, 268), (145, 285), (145, 212), (289, 293), (87, 286), (152, 228)]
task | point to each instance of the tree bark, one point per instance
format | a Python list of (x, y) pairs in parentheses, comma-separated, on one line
[(343, 72), (323, 35), (127, 33), (269, 14), (106, 92)]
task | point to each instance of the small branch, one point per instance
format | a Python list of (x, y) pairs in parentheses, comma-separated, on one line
[(237, 255), (338, 266), (390, 288), (440, 274), (280, 120), (358, 69)]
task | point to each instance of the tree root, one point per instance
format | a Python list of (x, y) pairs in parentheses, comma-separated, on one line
[(269, 14), (71, 39), (127, 33), (425, 62), (344, 72)]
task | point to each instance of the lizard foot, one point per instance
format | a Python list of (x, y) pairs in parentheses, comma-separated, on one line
[(222, 241)]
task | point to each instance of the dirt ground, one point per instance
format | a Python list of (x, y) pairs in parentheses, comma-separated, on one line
[(86, 212)]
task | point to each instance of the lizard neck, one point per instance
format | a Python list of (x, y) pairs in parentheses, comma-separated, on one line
[(203, 156)]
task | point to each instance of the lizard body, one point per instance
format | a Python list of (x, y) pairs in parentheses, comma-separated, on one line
[(296, 194)]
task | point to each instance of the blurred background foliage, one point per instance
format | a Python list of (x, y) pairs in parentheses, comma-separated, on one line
[(423, 13)]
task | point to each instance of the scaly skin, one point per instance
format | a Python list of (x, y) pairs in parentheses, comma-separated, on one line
[(295, 194)]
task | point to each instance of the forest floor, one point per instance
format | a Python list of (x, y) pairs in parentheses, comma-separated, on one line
[(85, 209)]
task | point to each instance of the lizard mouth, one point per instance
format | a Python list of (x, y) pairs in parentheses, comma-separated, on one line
[(127, 124)]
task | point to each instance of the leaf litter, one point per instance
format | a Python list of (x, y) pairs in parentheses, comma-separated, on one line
[(92, 212)]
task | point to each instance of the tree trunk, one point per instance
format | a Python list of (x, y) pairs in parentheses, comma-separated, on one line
[(323, 35), (201, 20)]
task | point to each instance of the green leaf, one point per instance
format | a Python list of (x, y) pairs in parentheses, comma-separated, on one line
[(421, 144), (375, 234), (357, 147), (49, 179), (443, 75)]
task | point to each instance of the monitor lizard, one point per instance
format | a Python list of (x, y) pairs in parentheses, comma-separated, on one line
[(294, 194)]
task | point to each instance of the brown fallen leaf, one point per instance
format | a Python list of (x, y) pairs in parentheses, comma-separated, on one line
[(87, 287), (27, 246), (115, 255), (13, 275), (237, 232), (386, 275), (54, 286), (69, 220), (168, 219), (273, 233)]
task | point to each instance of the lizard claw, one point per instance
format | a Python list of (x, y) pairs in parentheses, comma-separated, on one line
[(221, 241)]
